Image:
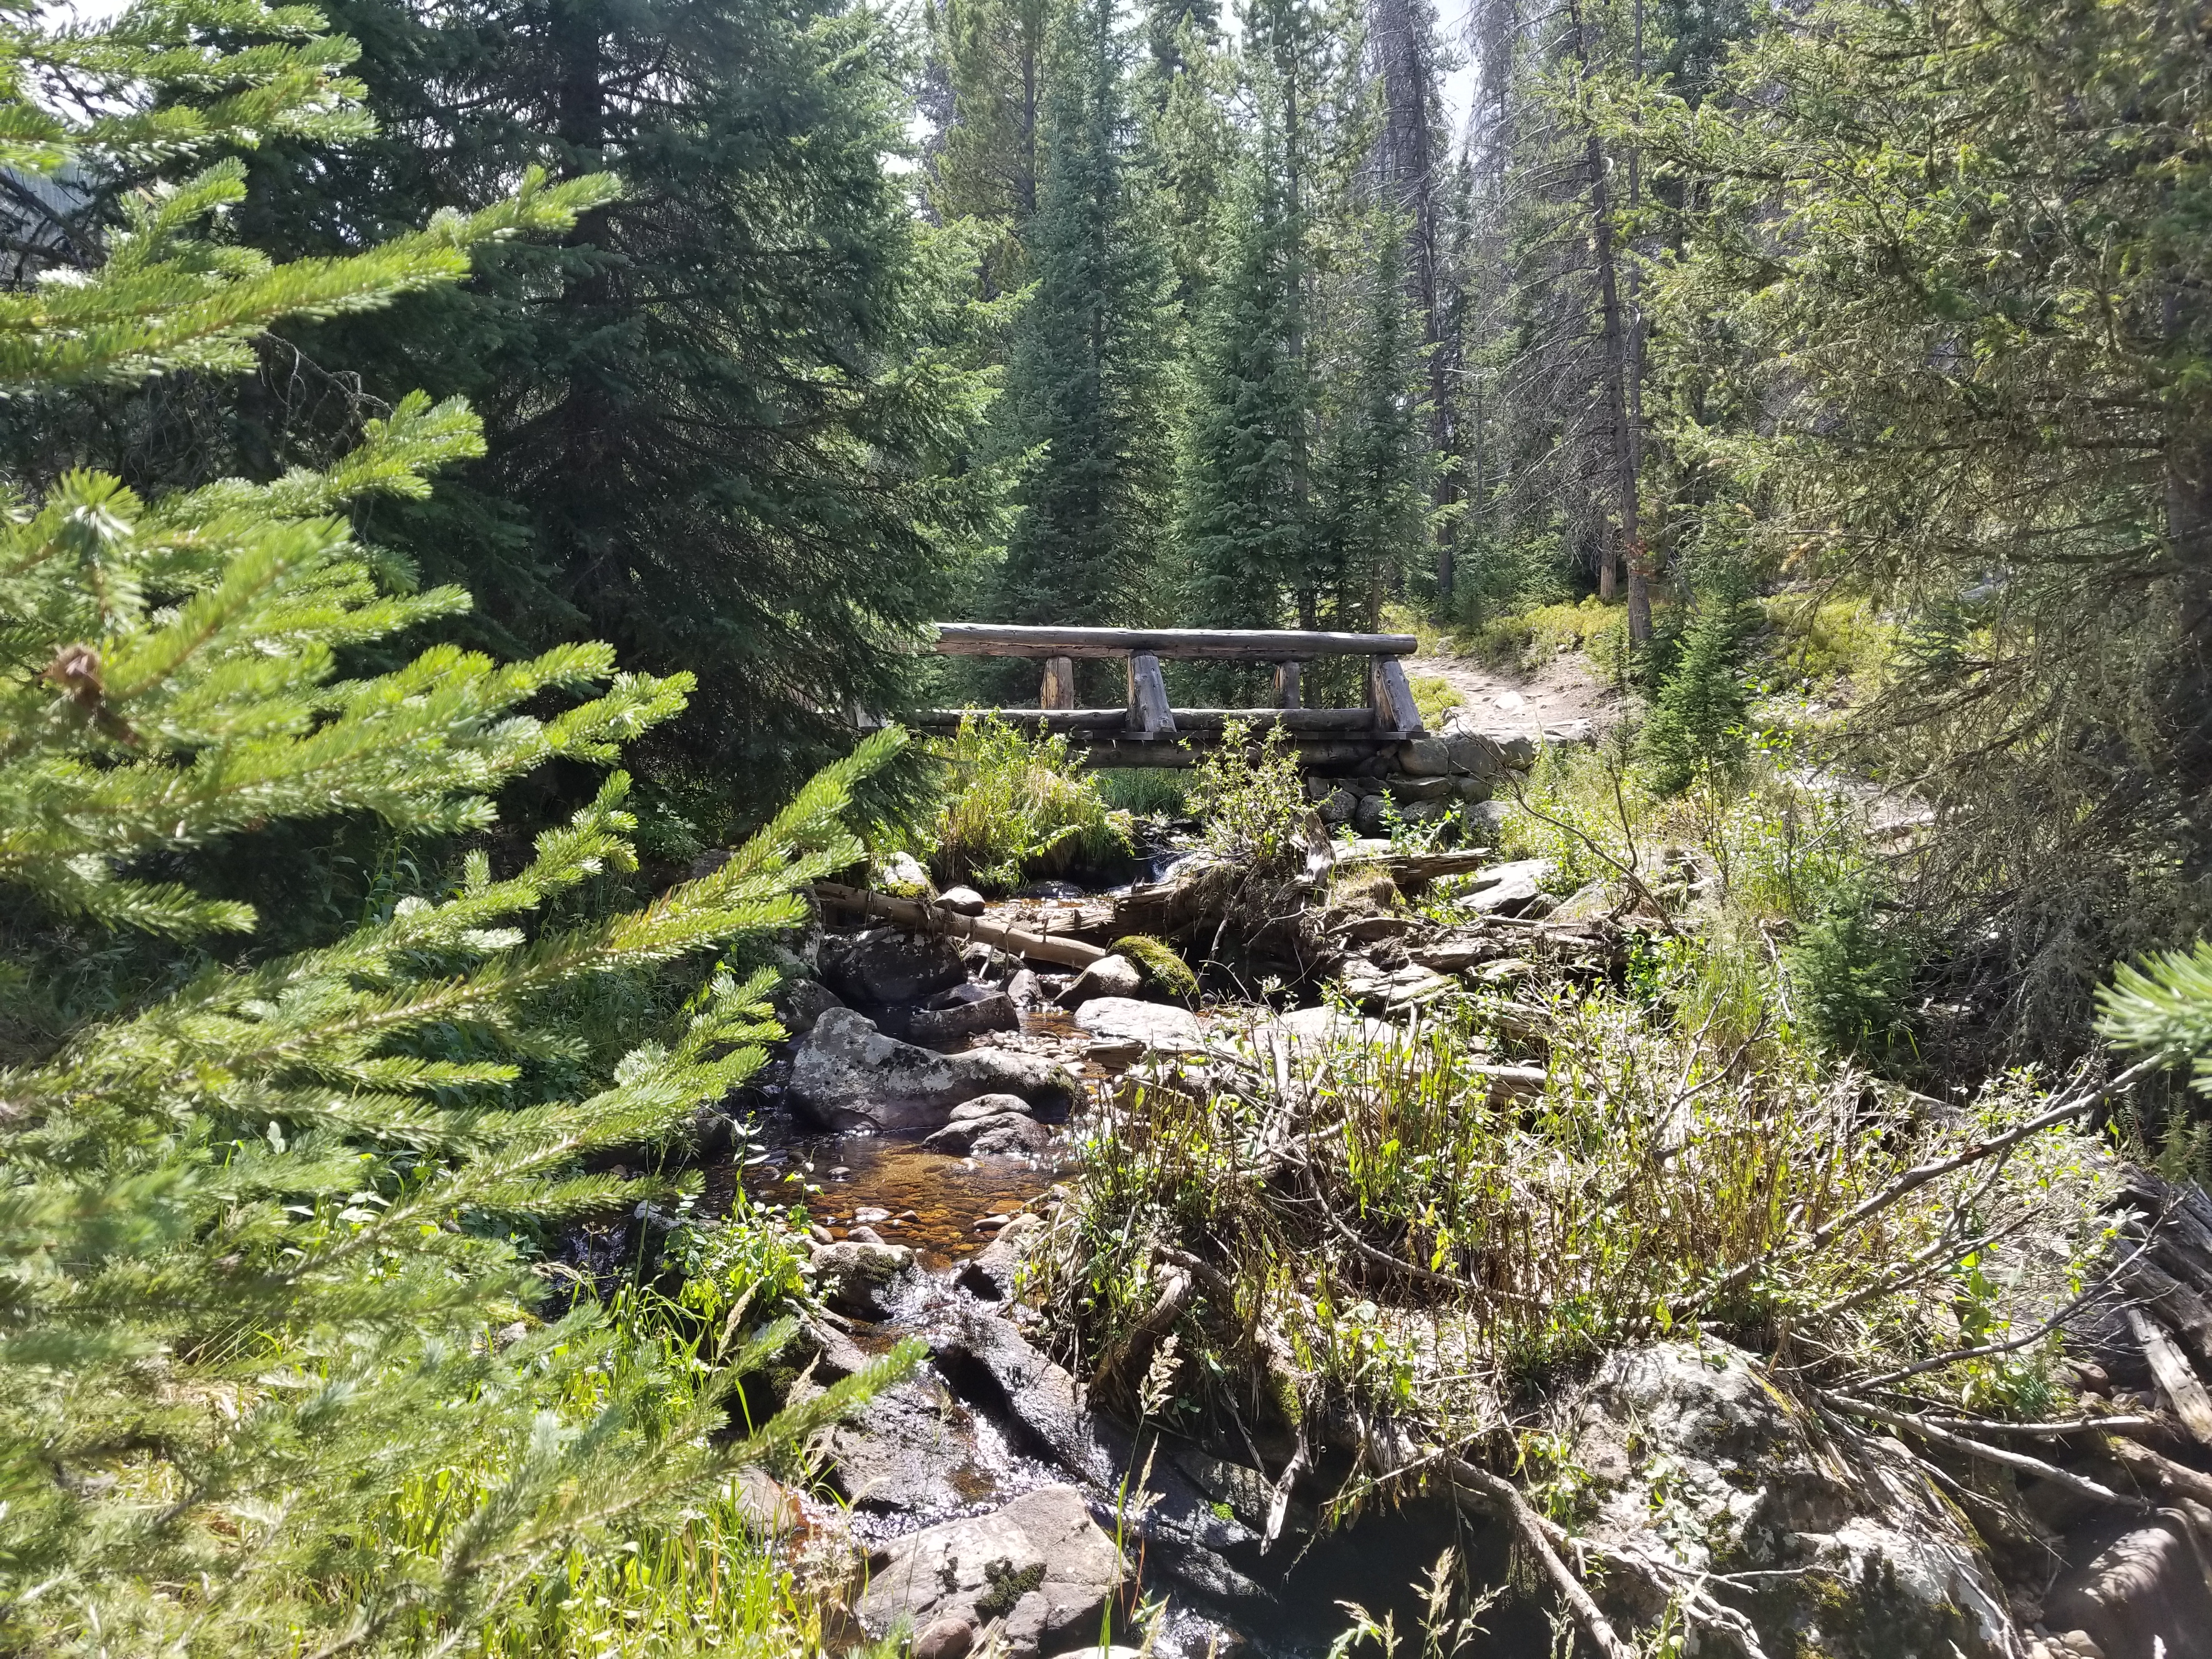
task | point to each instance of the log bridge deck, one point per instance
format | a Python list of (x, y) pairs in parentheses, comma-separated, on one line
[(1148, 732)]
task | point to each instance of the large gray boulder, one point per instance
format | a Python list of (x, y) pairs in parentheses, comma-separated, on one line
[(1847, 1551), (2134, 1583), (889, 965), (1006, 1135), (848, 1075), (1158, 1026), (1041, 1563), (1514, 889), (1110, 977)]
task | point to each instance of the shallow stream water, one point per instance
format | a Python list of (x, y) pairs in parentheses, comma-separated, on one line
[(932, 1202)]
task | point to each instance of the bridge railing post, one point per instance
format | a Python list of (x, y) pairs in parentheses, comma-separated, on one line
[(1058, 690), (1391, 698), (1287, 685), (1150, 716)]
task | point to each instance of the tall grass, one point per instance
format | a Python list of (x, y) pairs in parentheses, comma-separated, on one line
[(1015, 805), (735, 1573)]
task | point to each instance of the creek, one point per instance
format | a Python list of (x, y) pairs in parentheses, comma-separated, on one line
[(961, 1440)]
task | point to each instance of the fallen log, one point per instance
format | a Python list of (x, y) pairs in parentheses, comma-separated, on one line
[(920, 917)]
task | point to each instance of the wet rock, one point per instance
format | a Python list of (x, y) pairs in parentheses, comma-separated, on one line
[(994, 1271), (799, 1002), (889, 965), (848, 1075), (964, 1012), (1114, 1053), (1158, 1026), (1002, 1135), (1845, 1551), (1049, 889), (962, 901), (1022, 989), (1041, 1563), (1109, 976), (945, 1639), (910, 1451), (2136, 1585), (987, 1361), (1510, 890), (860, 1279)]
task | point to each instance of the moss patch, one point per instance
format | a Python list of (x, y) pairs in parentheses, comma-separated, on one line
[(1164, 971)]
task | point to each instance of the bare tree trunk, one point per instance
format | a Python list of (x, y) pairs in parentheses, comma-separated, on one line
[(1639, 562), (1617, 372)]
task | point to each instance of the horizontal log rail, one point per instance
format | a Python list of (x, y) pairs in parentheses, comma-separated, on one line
[(1298, 722), (1209, 644), (1390, 715)]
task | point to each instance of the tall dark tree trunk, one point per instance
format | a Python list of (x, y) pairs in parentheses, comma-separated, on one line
[(1615, 348)]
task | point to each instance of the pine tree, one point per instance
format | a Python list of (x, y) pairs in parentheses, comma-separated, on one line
[(726, 419), (1089, 396), (256, 1229), (988, 159), (1371, 518), (1243, 524)]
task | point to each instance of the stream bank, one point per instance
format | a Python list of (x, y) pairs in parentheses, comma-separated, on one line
[(979, 1488)]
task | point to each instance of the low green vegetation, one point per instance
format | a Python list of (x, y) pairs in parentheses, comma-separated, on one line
[(1395, 1229), (1015, 805)]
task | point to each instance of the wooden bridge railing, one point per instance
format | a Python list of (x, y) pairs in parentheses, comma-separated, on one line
[(1144, 730)]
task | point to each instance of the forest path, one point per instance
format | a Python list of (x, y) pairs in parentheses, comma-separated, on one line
[(1506, 699)]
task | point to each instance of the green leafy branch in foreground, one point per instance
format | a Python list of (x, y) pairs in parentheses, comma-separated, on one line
[(2164, 1007), (256, 1279)]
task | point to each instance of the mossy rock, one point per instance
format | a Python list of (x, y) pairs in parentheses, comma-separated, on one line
[(1164, 971)]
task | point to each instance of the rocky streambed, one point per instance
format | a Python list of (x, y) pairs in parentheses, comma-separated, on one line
[(925, 1112)]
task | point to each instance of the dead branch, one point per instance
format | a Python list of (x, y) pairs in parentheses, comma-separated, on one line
[(2020, 1462), (920, 917), (1505, 1497), (1919, 1177)]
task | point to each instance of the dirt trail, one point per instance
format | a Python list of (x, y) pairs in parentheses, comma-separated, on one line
[(1503, 699)]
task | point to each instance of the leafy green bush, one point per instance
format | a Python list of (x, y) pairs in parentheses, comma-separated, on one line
[(1252, 800), (1016, 805)]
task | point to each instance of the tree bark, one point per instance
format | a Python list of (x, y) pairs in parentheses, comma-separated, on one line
[(1615, 350)]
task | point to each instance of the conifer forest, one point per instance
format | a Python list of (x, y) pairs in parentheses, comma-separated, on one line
[(1160, 829)]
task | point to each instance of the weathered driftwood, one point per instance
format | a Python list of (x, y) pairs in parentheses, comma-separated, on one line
[(921, 916)]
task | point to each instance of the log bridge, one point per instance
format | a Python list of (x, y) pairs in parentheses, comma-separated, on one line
[(1148, 732)]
